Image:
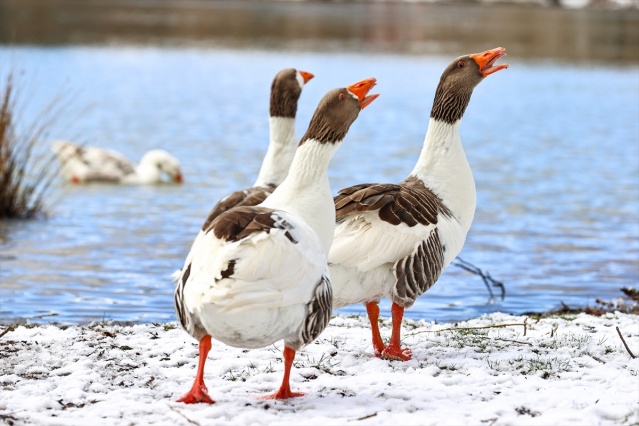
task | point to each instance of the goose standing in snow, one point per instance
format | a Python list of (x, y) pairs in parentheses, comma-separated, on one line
[(285, 93), (258, 274), (83, 164), (394, 240)]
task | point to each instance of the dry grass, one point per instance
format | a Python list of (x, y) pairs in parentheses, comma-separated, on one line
[(26, 172)]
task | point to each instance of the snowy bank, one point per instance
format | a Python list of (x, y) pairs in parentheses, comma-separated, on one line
[(559, 370)]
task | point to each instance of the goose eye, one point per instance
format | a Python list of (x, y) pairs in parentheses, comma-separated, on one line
[(342, 97), (460, 64)]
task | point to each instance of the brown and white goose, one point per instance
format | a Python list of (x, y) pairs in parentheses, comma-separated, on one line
[(394, 240), (87, 164), (258, 274), (285, 93)]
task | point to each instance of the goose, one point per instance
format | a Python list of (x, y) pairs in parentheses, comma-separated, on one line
[(286, 89), (258, 274), (84, 164), (394, 240)]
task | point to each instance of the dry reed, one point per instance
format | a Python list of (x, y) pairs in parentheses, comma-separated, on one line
[(26, 172)]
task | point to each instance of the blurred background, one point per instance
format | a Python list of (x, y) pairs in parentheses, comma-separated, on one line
[(553, 141)]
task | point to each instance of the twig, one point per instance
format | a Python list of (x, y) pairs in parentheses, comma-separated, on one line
[(183, 416), (488, 280), (525, 325), (366, 417), (505, 340), (8, 329), (595, 357), (632, 293), (514, 341), (624, 343), (469, 328)]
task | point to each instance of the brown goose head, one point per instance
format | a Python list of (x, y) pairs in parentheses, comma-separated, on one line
[(337, 110), (286, 90), (458, 81)]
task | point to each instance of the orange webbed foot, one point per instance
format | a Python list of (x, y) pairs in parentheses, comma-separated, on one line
[(378, 351), (396, 353), (196, 395)]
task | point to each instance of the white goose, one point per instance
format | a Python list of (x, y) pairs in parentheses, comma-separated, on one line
[(394, 240), (258, 274), (83, 164), (285, 93)]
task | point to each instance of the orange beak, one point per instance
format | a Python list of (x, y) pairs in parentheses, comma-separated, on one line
[(306, 76), (486, 60), (178, 177), (361, 89)]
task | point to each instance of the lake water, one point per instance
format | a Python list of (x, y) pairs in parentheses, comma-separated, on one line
[(554, 147)]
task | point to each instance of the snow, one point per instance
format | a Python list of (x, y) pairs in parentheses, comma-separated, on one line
[(570, 369)]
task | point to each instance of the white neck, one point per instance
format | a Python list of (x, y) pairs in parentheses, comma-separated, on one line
[(443, 168), (306, 191), (281, 150)]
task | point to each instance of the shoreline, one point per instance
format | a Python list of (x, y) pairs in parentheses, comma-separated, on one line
[(528, 28), (626, 304)]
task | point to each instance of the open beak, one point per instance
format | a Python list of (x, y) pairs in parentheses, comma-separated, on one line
[(306, 76), (486, 60), (361, 89)]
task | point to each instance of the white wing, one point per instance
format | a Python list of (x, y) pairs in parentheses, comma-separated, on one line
[(91, 163), (105, 164), (363, 241)]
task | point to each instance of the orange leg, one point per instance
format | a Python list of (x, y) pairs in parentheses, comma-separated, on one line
[(199, 392), (394, 350), (285, 390), (373, 315)]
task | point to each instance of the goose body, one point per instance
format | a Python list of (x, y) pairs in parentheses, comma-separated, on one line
[(254, 303), (258, 274), (85, 164), (394, 240)]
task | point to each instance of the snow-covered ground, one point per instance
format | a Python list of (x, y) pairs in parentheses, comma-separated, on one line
[(564, 370)]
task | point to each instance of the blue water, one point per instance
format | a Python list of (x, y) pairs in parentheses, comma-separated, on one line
[(554, 148)]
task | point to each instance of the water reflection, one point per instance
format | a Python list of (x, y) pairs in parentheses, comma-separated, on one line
[(533, 32)]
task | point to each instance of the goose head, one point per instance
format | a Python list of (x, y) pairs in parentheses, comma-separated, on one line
[(286, 90), (160, 161)]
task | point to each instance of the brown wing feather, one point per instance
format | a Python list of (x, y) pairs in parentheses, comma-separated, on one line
[(319, 310), (410, 202), (418, 271), (243, 221), (245, 197)]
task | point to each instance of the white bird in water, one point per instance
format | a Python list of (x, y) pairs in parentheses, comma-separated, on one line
[(84, 164), (258, 274)]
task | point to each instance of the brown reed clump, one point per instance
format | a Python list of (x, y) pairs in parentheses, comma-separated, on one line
[(26, 173)]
